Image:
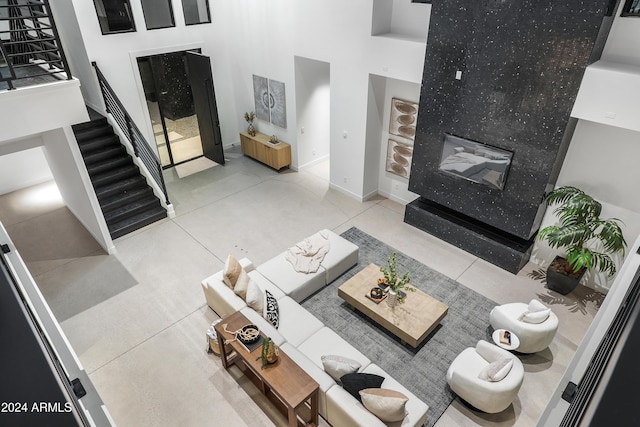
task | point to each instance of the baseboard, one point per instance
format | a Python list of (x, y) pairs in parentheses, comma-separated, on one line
[(313, 162), (346, 192)]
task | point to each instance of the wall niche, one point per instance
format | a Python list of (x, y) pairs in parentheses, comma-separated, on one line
[(505, 74), (400, 19)]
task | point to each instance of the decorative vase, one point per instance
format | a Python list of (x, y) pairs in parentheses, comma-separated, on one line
[(272, 353), (392, 298), (251, 130)]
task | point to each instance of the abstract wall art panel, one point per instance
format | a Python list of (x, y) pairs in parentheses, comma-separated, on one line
[(278, 103), (399, 158), (404, 115), (261, 97)]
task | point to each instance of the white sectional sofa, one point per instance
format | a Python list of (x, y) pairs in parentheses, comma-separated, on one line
[(304, 338)]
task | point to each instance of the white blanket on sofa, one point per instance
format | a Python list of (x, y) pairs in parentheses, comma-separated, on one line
[(307, 255)]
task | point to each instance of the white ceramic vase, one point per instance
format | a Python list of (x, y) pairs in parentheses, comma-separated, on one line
[(392, 298)]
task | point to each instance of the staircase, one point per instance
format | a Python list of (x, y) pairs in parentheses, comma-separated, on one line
[(127, 201)]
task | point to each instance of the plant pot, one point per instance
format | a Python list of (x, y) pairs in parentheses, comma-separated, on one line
[(560, 277)]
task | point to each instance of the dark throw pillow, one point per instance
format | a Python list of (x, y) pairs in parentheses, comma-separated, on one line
[(357, 381), (271, 310)]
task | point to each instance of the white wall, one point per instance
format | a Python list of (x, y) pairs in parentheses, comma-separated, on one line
[(75, 51), (622, 42), (340, 33), (391, 185), (72, 179), (55, 105), (313, 104), (115, 55), (263, 38), (23, 169)]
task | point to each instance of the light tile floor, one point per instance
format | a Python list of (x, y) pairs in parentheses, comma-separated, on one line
[(143, 344)]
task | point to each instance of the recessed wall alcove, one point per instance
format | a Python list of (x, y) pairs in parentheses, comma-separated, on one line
[(505, 74), (400, 19)]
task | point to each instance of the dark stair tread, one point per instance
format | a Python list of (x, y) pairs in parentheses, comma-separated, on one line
[(98, 143), (96, 169), (136, 222), (127, 201), (93, 132), (120, 187), (91, 123), (121, 199), (104, 155), (117, 174), (131, 209)]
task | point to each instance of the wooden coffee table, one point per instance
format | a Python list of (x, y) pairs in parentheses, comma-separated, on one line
[(412, 321), (285, 383)]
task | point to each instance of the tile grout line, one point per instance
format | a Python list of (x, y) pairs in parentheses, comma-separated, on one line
[(144, 340)]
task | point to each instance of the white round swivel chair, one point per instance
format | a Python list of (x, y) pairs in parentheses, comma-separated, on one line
[(534, 324), (491, 396)]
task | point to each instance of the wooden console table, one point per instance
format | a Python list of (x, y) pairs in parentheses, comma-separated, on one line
[(258, 147), (285, 383)]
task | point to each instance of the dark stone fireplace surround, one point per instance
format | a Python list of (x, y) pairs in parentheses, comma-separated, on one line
[(522, 62)]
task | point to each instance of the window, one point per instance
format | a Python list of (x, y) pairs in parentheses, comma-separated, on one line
[(158, 14), (196, 12), (114, 16), (631, 8)]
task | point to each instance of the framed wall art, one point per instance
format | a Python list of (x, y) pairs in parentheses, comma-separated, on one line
[(404, 115), (270, 101), (399, 158)]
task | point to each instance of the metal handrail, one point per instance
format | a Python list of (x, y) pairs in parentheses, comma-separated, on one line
[(141, 147), (33, 41)]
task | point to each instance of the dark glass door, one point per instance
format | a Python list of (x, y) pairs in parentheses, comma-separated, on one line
[(171, 107), (204, 98)]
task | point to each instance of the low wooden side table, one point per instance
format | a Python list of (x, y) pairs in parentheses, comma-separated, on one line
[(285, 383)]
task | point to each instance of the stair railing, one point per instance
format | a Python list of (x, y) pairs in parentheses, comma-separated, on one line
[(139, 143), (31, 42)]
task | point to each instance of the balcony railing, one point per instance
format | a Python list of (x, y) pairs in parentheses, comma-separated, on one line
[(30, 48)]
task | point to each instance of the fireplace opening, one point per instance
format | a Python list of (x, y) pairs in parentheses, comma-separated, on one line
[(475, 161)]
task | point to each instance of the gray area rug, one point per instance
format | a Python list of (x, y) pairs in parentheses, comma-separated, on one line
[(421, 370)]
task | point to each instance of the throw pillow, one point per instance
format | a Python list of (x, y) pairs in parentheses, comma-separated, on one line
[(535, 305), (338, 366), (242, 284), (497, 370), (357, 381), (272, 310), (388, 405), (536, 316), (231, 271), (255, 297)]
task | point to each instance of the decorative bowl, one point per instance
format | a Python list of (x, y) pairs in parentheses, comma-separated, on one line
[(376, 293), (248, 334)]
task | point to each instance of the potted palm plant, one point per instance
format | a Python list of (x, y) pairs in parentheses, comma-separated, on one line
[(579, 225), (395, 283)]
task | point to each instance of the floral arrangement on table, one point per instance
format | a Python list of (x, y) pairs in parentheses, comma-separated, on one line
[(250, 117), (395, 283)]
